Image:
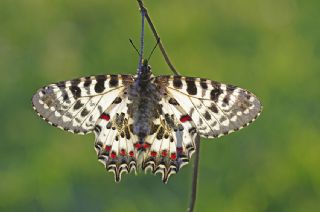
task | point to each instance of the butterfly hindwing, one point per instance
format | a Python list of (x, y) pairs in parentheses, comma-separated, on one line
[(75, 105), (216, 109), (171, 142), (115, 141)]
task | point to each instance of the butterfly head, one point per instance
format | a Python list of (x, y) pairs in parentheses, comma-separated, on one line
[(145, 70)]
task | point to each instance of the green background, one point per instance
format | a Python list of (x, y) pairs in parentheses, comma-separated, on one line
[(270, 47)]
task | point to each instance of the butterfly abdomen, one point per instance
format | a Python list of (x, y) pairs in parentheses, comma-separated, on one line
[(143, 107)]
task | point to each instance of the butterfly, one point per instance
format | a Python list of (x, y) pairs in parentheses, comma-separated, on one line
[(146, 122)]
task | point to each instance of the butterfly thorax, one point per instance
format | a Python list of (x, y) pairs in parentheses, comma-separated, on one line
[(144, 74), (144, 97)]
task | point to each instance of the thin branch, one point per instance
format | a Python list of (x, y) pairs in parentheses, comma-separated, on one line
[(195, 175), (156, 35)]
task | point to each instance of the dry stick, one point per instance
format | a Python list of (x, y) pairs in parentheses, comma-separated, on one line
[(197, 140), (156, 35)]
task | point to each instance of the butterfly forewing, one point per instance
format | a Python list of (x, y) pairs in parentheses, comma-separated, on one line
[(76, 105), (216, 109)]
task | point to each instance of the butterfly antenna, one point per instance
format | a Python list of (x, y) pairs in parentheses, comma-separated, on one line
[(155, 46), (135, 48)]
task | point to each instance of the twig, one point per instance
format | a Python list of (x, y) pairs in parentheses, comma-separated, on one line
[(156, 35), (195, 175)]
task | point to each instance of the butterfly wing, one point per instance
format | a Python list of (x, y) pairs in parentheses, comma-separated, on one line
[(171, 141), (76, 105), (115, 141), (216, 109)]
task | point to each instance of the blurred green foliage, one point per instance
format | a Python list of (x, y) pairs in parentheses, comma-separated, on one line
[(271, 47)]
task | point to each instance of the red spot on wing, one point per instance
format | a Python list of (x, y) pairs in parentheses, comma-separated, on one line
[(113, 155), (173, 156), (185, 118), (122, 152), (107, 148), (105, 116), (164, 153), (153, 153), (179, 150), (138, 145), (146, 146)]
